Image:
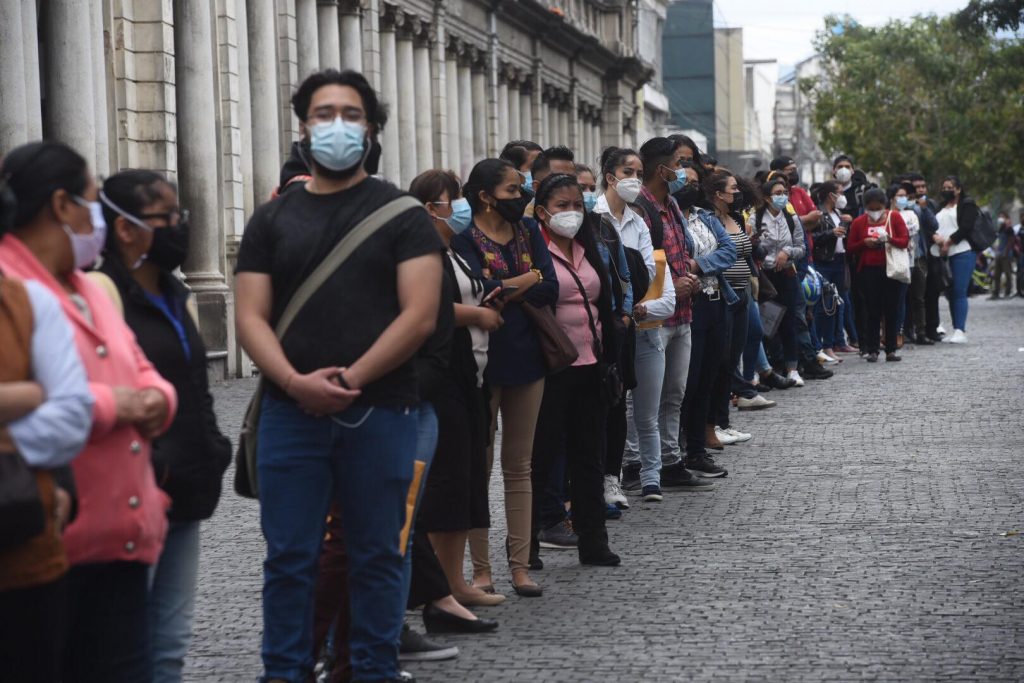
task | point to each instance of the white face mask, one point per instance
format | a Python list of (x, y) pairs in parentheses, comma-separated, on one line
[(841, 202), (566, 223), (875, 215), (628, 189), (843, 175)]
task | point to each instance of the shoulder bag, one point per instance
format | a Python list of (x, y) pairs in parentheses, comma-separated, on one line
[(246, 483), (556, 348), (897, 260), (612, 387)]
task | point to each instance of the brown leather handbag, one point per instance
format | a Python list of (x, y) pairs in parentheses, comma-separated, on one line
[(556, 347)]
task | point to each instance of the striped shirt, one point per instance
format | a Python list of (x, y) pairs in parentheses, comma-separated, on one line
[(738, 274)]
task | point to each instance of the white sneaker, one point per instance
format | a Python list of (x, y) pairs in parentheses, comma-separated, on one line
[(759, 402), (613, 493), (795, 376), (958, 337), (826, 359), (725, 437), (738, 435), (940, 330)]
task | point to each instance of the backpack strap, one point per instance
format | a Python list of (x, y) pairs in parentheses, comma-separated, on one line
[(654, 216)]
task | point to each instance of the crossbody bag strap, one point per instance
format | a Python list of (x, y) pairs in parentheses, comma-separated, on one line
[(339, 254), (590, 315)]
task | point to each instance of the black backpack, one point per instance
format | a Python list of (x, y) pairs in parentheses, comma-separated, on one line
[(983, 232)]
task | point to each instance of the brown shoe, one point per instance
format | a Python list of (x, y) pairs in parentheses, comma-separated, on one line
[(711, 439)]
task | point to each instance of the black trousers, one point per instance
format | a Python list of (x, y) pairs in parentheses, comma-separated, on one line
[(735, 322), (428, 582), (932, 292), (108, 625), (707, 332), (916, 318), (615, 438), (32, 632), (881, 295), (572, 421)]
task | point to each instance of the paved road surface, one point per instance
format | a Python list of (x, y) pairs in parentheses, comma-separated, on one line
[(862, 534)]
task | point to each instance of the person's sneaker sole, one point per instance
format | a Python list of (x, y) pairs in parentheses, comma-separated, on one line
[(556, 546), (759, 406), (701, 487), (708, 475), (653, 498), (430, 656)]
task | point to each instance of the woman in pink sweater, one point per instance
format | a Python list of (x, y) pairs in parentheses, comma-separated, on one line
[(58, 229)]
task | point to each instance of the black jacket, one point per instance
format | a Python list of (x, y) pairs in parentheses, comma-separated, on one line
[(190, 458), (966, 214), (825, 239)]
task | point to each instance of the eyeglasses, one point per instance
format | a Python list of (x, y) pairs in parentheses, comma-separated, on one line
[(328, 114), (168, 218)]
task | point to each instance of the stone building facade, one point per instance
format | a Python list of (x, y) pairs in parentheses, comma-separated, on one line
[(200, 89)]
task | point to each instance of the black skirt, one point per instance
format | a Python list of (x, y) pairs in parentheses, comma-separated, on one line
[(455, 494)]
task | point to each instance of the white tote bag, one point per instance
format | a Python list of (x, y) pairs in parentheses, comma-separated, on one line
[(897, 261)]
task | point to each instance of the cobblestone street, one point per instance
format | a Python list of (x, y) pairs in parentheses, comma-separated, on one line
[(868, 531)]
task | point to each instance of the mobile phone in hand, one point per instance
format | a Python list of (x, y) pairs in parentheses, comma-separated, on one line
[(501, 294)]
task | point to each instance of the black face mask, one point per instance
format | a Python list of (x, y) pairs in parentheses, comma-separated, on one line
[(947, 195), (170, 246), (794, 178), (512, 209), (688, 196)]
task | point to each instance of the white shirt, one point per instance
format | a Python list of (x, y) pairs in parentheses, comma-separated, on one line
[(633, 231), (947, 226), (913, 225), (840, 241), (480, 338), (56, 431)]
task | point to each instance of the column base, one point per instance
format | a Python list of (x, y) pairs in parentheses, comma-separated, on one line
[(216, 306)]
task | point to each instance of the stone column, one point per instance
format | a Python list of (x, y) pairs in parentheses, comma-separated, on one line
[(14, 107), (327, 33), (70, 114), (351, 37), (479, 85), (33, 96), (526, 114), (245, 108), (514, 105), (390, 145), (197, 167), (266, 130), (99, 89), (564, 137), (309, 40), (466, 119), (452, 105), (503, 122), (439, 87), (407, 109), (424, 105)]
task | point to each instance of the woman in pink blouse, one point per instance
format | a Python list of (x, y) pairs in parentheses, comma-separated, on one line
[(574, 408), (121, 522)]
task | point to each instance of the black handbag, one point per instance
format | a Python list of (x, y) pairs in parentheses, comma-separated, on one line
[(612, 387), (21, 509)]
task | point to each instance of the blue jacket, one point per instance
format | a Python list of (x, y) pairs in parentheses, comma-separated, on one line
[(721, 259), (619, 269)]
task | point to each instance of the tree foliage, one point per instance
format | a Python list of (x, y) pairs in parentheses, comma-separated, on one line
[(923, 95), (995, 15)]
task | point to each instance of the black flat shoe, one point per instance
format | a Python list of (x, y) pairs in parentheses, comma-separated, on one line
[(872, 358), (528, 590), (439, 621), (923, 341), (600, 558), (892, 358)]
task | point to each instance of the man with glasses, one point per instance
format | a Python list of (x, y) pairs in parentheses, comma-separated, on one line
[(339, 418)]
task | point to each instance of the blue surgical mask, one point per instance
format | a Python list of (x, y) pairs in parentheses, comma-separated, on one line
[(589, 200), (527, 180), (87, 248), (462, 215), (680, 181), (779, 201), (338, 145), (901, 203)]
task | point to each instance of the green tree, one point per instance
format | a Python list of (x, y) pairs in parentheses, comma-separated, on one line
[(924, 95)]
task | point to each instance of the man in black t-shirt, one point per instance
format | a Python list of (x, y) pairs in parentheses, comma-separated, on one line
[(338, 419)]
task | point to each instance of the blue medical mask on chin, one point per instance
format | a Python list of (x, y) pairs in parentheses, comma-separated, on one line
[(679, 182), (338, 145), (87, 248), (462, 216), (589, 200)]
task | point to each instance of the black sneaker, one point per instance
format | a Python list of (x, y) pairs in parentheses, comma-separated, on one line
[(814, 371), (705, 467), (630, 479), (413, 647), (559, 537), (872, 357), (678, 478), (777, 381), (652, 494)]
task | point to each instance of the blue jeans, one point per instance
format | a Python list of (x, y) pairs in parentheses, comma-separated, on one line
[(830, 327), (364, 458), (643, 439), (426, 445), (962, 266), (172, 593), (678, 342)]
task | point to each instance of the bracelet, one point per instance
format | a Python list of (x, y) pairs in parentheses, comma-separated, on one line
[(540, 275), (342, 382)]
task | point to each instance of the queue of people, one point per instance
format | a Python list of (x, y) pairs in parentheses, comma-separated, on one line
[(590, 328)]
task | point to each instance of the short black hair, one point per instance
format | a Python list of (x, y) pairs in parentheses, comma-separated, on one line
[(559, 153), (33, 172), (916, 177), (875, 194), (657, 151), (528, 145), (779, 163), (486, 175), (541, 164), (841, 157), (376, 111)]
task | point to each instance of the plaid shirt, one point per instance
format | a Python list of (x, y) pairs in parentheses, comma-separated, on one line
[(674, 244)]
